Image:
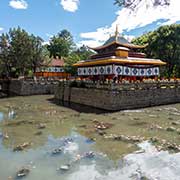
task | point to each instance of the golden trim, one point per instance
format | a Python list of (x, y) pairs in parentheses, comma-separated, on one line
[(120, 61)]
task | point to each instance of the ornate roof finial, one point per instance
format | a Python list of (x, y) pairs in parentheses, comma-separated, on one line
[(116, 32)]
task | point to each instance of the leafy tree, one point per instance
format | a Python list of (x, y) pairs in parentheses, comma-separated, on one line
[(124, 3), (66, 35), (132, 4), (5, 63), (69, 61), (61, 44), (164, 43), (19, 52), (46, 54), (79, 54), (37, 56), (83, 52)]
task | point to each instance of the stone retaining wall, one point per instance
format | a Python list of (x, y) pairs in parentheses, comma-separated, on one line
[(121, 97), (29, 87)]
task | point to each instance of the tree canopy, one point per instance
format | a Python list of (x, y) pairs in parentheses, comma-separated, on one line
[(19, 53), (164, 43), (61, 44), (81, 53), (132, 4), (22, 53)]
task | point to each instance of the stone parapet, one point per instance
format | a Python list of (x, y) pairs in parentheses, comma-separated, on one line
[(119, 97), (28, 87)]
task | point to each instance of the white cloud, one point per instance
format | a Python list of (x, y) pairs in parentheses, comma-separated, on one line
[(89, 43), (70, 5), (144, 13), (129, 37), (18, 4), (1, 29), (45, 43)]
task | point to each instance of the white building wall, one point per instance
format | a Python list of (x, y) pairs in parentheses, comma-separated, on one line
[(118, 70)]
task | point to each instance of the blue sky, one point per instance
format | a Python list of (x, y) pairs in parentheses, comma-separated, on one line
[(90, 21)]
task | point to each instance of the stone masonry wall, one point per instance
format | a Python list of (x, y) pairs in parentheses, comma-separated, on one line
[(115, 99), (26, 88)]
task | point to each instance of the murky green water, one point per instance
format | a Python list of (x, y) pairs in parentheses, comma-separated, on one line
[(45, 126)]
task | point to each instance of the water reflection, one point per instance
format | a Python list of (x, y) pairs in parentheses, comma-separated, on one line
[(1, 116), (73, 131), (148, 163), (11, 113), (43, 164)]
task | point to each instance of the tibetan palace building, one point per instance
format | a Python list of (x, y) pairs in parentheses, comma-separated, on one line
[(53, 69), (118, 58)]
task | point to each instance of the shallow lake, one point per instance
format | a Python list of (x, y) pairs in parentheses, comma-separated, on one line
[(44, 127), (1, 116)]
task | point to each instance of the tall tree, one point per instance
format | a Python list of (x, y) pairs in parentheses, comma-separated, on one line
[(81, 53), (19, 52), (61, 44), (5, 61), (69, 61), (164, 43), (84, 52), (37, 56)]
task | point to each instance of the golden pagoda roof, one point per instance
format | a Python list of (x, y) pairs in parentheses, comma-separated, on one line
[(118, 60)]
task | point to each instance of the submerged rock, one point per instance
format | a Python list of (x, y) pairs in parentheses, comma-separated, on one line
[(136, 118), (83, 126), (170, 118), (89, 154), (18, 123), (114, 118), (57, 151), (100, 132), (170, 146), (173, 146), (30, 122), (90, 140), (68, 140), (101, 125), (175, 123), (22, 172), (154, 139), (21, 147), (65, 167), (153, 116), (38, 133), (4, 136), (171, 129), (124, 138), (164, 145), (41, 126), (155, 127)]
